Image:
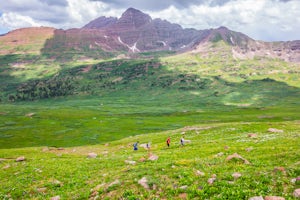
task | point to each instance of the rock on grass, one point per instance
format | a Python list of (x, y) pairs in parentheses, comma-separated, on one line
[(92, 155), (237, 156), (30, 115), (274, 198), (20, 159), (296, 193), (55, 198), (256, 198), (211, 180), (219, 154), (8, 166), (200, 173), (153, 157), (236, 175), (274, 130), (183, 196), (252, 135), (184, 187), (116, 182), (42, 190), (144, 182), (131, 162)]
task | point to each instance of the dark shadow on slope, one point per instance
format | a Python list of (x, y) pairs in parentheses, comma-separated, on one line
[(76, 44)]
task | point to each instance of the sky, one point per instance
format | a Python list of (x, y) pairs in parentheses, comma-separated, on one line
[(268, 20)]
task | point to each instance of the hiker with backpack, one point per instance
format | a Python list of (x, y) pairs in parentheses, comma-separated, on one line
[(135, 146), (182, 141), (168, 141)]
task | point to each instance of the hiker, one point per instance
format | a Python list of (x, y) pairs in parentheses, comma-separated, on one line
[(135, 146), (168, 141), (182, 141), (148, 146)]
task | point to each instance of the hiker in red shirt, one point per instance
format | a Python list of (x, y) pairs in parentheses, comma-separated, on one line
[(168, 141)]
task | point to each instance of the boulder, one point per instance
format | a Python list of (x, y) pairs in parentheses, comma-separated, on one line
[(274, 130), (55, 198), (92, 155), (296, 193), (219, 154), (256, 198), (153, 157), (116, 182), (131, 162), (200, 173), (184, 187), (30, 115), (6, 166), (274, 198), (42, 190), (211, 180), (236, 175), (144, 182), (237, 156), (252, 135), (20, 159), (144, 145), (183, 196)]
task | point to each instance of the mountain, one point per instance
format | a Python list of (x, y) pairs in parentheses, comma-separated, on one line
[(101, 22), (244, 47), (137, 32), (133, 32)]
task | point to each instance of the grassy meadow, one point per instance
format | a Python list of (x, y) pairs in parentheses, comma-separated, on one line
[(56, 113), (179, 172)]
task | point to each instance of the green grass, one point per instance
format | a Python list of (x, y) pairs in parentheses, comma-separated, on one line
[(82, 105), (69, 174)]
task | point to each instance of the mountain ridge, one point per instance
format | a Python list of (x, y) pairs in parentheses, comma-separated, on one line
[(136, 32)]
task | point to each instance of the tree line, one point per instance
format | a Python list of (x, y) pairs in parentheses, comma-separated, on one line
[(42, 89)]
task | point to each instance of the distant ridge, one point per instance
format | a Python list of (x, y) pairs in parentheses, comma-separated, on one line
[(136, 32)]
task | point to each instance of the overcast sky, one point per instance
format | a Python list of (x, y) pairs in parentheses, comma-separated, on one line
[(269, 20)]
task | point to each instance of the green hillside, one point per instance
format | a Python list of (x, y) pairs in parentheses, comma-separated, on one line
[(98, 101), (223, 105), (179, 173)]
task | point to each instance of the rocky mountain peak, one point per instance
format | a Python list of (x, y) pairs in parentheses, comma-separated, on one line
[(134, 18), (101, 22), (223, 28)]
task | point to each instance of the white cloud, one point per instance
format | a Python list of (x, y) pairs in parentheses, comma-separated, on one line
[(14, 20), (261, 19), (83, 11)]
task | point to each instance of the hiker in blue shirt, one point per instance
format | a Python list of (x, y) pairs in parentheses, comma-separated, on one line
[(135, 146)]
